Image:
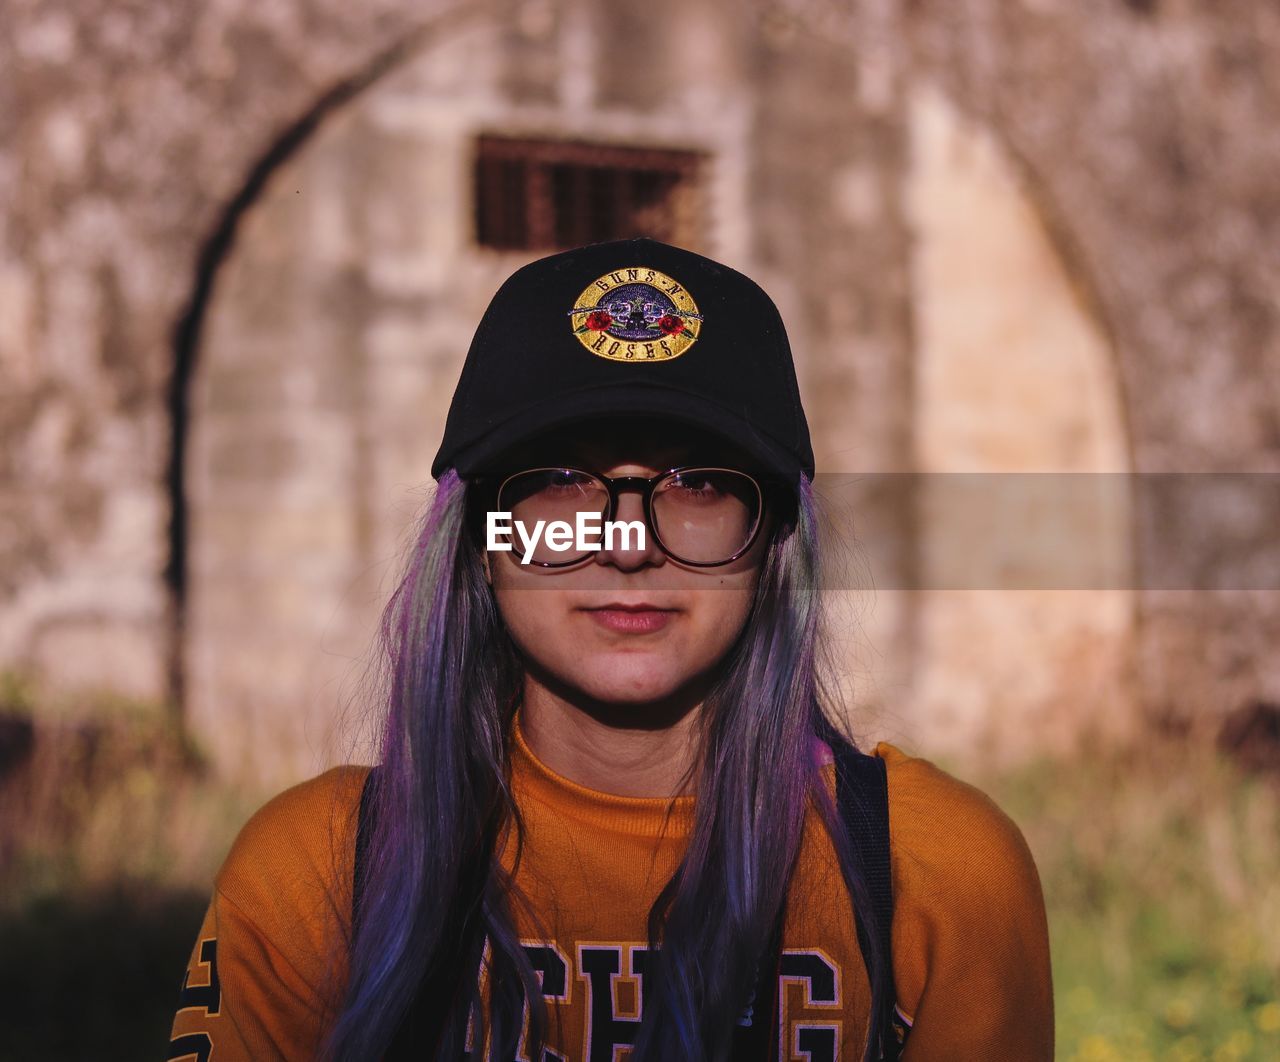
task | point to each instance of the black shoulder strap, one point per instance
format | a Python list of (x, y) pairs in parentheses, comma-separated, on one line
[(862, 799), (756, 1036), (364, 829), (862, 795)]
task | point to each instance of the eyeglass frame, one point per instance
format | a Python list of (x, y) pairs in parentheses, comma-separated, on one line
[(647, 486)]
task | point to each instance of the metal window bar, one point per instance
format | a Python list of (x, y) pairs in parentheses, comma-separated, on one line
[(546, 194)]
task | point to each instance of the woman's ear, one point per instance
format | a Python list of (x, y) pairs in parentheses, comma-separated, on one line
[(484, 563)]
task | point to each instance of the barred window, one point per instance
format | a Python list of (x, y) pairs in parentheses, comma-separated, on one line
[(547, 194)]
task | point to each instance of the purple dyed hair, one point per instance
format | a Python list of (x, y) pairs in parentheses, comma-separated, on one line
[(434, 890)]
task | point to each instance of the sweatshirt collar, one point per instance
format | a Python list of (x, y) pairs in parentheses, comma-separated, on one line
[(638, 816)]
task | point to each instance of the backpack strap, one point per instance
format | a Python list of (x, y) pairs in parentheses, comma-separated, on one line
[(756, 1036), (862, 795), (364, 830), (862, 800)]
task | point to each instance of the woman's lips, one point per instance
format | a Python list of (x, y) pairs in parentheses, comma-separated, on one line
[(628, 619)]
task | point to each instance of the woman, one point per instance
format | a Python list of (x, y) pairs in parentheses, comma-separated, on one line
[(606, 812)]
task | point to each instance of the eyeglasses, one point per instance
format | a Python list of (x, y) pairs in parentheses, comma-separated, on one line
[(702, 517)]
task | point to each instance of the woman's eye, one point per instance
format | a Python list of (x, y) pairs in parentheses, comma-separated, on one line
[(564, 482), (696, 486)]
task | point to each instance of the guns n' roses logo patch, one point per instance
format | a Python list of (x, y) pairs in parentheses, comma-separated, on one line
[(636, 315)]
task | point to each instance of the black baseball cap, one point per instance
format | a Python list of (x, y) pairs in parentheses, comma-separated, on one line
[(628, 327)]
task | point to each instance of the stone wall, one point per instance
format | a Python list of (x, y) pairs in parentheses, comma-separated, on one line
[(232, 159), (128, 130)]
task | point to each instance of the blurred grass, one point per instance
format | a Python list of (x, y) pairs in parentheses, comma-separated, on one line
[(1161, 872)]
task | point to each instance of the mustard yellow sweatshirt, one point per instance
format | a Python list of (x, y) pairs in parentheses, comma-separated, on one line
[(970, 939)]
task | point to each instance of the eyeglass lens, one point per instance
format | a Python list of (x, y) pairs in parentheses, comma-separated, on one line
[(702, 515)]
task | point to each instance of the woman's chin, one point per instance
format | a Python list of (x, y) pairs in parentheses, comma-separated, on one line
[(629, 684)]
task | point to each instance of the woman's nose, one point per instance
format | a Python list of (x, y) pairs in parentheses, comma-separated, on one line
[(630, 550)]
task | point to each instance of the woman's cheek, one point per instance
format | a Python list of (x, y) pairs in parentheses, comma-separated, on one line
[(533, 620)]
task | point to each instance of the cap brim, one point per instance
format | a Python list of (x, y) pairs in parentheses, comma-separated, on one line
[(619, 399)]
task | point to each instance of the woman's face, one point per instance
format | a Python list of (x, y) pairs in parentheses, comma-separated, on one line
[(628, 625)]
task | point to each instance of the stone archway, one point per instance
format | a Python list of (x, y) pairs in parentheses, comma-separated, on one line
[(1019, 649), (324, 369)]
